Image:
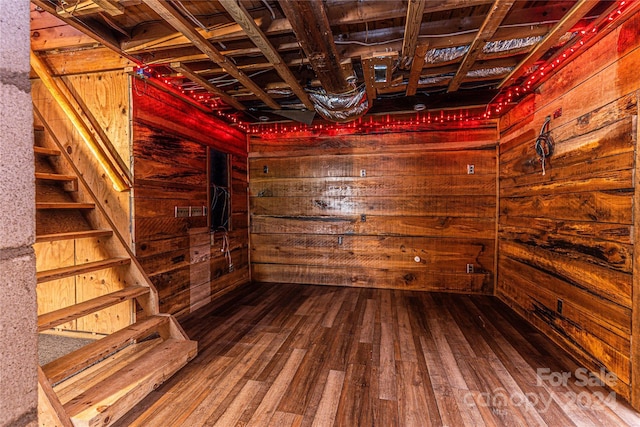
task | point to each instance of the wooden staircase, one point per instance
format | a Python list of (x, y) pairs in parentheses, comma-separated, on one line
[(139, 348)]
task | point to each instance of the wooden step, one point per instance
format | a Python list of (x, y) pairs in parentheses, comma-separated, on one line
[(59, 205), (73, 270), (109, 400), (70, 181), (43, 151), (76, 361), (55, 177), (73, 235), (67, 314)]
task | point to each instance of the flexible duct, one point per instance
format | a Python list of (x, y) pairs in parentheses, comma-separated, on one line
[(342, 107)]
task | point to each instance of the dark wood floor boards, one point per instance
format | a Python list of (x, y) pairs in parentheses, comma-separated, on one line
[(313, 356)]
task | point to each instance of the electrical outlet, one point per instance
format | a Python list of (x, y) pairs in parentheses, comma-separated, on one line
[(363, 218), (182, 211), (339, 240), (559, 306), (469, 268), (265, 169), (198, 210), (471, 169), (363, 172)]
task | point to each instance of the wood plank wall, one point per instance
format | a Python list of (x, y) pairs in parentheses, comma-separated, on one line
[(413, 221), (569, 235), (183, 260)]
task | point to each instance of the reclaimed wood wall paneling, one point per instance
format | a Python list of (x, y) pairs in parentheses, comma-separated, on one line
[(182, 258), (307, 198), (569, 235)]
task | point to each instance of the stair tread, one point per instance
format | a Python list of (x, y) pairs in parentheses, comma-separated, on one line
[(62, 272), (64, 315), (107, 401), (61, 205), (77, 360), (55, 176), (46, 151), (81, 234)]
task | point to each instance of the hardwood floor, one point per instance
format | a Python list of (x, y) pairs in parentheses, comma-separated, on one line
[(293, 355)]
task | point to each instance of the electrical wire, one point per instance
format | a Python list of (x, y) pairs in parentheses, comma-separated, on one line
[(220, 195), (230, 82), (368, 44), (544, 144), (189, 15), (268, 6), (457, 33), (226, 248)]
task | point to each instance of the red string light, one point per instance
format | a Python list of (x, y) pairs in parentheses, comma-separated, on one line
[(509, 96)]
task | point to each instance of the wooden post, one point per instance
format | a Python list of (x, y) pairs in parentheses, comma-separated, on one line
[(496, 251), (635, 290)]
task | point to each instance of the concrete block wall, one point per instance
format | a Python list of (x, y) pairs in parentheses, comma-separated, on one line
[(18, 340)]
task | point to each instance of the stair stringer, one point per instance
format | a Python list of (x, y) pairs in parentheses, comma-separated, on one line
[(100, 218)]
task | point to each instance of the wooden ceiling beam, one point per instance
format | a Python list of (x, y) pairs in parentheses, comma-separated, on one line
[(416, 68), (495, 17), (177, 21), (191, 75), (577, 12), (311, 26), (244, 19), (60, 37), (355, 50), (79, 8), (522, 23), (360, 51), (369, 80), (203, 69), (415, 11), (157, 37), (95, 30), (350, 12), (85, 61), (90, 7), (112, 7)]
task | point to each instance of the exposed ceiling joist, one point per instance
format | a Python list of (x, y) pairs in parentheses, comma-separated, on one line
[(88, 7), (156, 37), (495, 17), (96, 31), (311, 26), (415, 10), (112, 7), (191, 75), (244, 19), (369, 79), (177, 21), (416, 68), (581, 8), (205, 69), (383, 41)]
